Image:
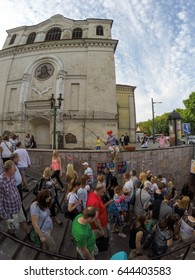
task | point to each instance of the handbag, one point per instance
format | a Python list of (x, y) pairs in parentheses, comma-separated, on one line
[(102, 243), (34, 237), (69, 215)]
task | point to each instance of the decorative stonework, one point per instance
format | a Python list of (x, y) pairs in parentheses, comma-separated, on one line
[(39, 92), (44, 71), (70, 138)]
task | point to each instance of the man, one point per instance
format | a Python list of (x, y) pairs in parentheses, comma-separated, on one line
[(88, 171), (23, 163), (82, 233), (165, 209), (111, 181), (126, 139), (113, 147), (128, 186), (18, 178), (94, 199), (10, 202)]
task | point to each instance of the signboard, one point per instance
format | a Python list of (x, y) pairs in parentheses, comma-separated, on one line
[(192, 169), (186, 128)]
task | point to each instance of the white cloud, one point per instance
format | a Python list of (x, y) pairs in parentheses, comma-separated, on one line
[(156, 50)]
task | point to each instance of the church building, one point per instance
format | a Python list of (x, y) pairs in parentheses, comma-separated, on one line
[(58, 82)]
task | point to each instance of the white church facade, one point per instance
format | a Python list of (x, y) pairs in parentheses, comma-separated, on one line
[(72, 59)]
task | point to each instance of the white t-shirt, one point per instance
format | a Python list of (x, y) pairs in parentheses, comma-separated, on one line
[(128, 186), (83, 194), (6, 146), (73, 199), (24, 159)]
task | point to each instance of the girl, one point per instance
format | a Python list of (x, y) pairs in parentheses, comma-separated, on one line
[(71, 173), (57, 168)]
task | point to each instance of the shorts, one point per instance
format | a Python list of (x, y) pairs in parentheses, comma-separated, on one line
[(22, 172), (114, 149), (16, 220)]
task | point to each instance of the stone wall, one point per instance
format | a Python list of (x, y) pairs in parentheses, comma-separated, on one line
[(174, 162)]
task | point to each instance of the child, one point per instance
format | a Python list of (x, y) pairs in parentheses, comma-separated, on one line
[(118, 221)]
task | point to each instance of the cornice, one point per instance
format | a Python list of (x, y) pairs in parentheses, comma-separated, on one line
[(61, 44)]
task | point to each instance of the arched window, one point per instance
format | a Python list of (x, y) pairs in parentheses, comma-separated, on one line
[(77, 33), (31, 38), (12, 39), (99, 30), (53, 34)]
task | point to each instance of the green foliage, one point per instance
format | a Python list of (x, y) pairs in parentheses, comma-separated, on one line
[(162, 123)]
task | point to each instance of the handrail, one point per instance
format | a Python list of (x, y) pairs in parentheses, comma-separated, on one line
[(58, 256), (186, 245)]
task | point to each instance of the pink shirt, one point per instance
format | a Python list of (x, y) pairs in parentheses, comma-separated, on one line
[(55, 165)]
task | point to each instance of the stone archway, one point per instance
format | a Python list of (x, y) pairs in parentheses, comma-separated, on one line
[(41, 128)]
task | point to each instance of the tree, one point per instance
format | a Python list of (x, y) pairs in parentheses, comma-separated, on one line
[(189, 115)]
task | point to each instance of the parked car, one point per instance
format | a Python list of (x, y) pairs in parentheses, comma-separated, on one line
[(191, 139)]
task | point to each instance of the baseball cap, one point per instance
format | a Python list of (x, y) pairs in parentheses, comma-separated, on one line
[(85, 163)]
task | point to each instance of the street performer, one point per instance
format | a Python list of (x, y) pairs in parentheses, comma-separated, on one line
[(113, 147)]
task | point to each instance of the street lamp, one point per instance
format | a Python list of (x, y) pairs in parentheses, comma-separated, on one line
[(55, 107), (153, 125)]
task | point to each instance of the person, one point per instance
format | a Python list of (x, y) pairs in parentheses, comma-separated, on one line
[(113, 147), (23, 163), (43, 73), (71, 174), (162, 140), (181, 206), (82, 191), (73, 201), (18, 178), (134, 178), (41, 220), (33, 144), (56, 166), (187, 227), (13, 140), (83, 235), (128, 186), (27, 141), (94, 199), (163, 236), (121, 140), (111, 182), (144, 141), (88, 171), (186, 191), (6, 149), (126, 139), (10, 201), (142, 179), (98, 143), (137, 236), (142, 199), (165, 209), (46, 183)]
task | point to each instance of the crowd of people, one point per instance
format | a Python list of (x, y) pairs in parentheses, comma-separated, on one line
[(147, 210)]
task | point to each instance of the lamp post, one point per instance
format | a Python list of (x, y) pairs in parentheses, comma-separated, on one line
[(153, 124), (55, 107)]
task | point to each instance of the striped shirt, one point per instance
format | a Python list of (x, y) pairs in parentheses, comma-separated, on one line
[(10, 202)]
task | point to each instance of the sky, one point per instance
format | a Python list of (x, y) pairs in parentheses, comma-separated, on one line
[(156, 49)]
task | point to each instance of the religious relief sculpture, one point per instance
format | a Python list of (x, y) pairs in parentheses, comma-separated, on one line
[(70, 138), (39, 92), (44, 71)]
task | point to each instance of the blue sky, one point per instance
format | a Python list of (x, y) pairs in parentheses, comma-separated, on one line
[(156, 50)]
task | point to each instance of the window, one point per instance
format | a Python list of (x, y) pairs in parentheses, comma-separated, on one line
[(99, 30), (77, 33), (53, 34), (12, 39), (31, 38)]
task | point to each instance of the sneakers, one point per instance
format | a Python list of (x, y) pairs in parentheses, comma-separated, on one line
[(122, 235)]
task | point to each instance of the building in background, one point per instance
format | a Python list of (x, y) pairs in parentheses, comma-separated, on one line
[(126, 111), (74, 58)]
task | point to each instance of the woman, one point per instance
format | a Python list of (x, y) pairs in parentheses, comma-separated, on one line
[(138, 235), (181, 206), (71, 174), (172, 190), (57, 168), (47, 183), (142, 179), (41, 220), (142, 200), (74, 204), (6, 148), (163, 237), (187, 227), (158, 194), (33, 144)]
